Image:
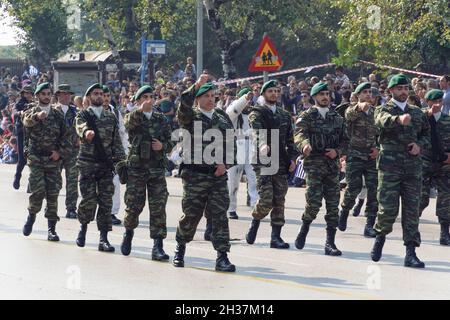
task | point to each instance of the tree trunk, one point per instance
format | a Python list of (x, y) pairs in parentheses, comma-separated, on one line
[(113, 46)]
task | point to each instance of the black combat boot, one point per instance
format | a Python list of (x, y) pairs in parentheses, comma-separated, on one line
[(377, 249), (158, 253), (52, 236), (125, 247), (81, 240), (71, 214), (178, 259), (28, 227), (251, 235), (16, 183), (411, 259), (369, 232), (115, 221), (445, 236), (104, 244), (233, 215), (223, 264), (343, 216), (276, 241), (208, 231), (358, 207), (330, 247), (301, 238)]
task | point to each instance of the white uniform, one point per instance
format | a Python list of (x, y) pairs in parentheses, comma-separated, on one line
[(125, 143), (244, 149)]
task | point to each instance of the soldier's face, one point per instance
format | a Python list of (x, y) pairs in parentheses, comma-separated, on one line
[(45, 96), (207, 100), (64, 98), (96, 97), (323, 99), (365, 96), (270, 95), (106, 99), (28, 96), (435, 105), (400, 92)]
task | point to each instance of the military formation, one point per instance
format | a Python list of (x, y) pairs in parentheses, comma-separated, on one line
[(397, 150)]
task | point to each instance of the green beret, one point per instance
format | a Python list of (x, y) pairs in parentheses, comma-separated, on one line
[(106, 89), (204, 89), (267, 85), (92, 88), (27, 88), (397, 80), (362, 86), (64, 88), (434, 94), (318, 87), (142, 90), (42, 86), (243, 92)]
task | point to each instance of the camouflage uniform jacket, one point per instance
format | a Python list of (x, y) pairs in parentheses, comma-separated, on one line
[(188, 115), (436, 151), (394, 137), (141, 131), (329, 133), (109, 134), (45, 136), (69, 119), (362, 132)]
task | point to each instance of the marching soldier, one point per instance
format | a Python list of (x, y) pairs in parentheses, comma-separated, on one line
[(150, 134), (320, 135), (272, 189), (100, 150), (26, 98), (124, 138), (204, 184), (47, 145), (436, 163), (404, 133), (69, 164), (361, 158)]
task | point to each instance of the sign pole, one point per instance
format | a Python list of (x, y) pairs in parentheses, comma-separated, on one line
[(266, 76), (143, 56)]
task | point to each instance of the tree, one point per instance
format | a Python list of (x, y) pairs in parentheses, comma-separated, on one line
[(45, 28), (400, 33)]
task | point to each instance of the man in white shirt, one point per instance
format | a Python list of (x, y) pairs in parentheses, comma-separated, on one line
[(238, 112)]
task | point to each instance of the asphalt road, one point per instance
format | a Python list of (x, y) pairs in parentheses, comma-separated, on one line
[(33, 268)]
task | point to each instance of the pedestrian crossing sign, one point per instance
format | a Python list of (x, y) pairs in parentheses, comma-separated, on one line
[(266, 58)]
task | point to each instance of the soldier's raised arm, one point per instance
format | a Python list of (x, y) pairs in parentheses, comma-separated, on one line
[(81, 125), (424, 136), (383, 119), (30, 118), (301, 136), (185, 112)]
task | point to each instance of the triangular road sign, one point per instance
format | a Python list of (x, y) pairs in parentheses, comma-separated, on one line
[(266, 58)]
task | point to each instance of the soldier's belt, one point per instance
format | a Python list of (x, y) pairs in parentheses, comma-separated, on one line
[(394, 147), (200, 168)]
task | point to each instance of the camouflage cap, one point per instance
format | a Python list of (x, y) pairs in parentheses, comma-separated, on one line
[(434, 94), (362, 86), (319, 87), (42, 86)]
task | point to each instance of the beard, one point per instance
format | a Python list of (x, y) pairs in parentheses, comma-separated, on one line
[(401, 98), (97, 103), (323, 104)]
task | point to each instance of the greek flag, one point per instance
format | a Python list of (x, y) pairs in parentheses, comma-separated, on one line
[(299, 172), (33, 71)]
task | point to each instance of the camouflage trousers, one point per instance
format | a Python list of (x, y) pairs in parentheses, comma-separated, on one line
[(433, 174), (393, 185), (322, 182), (71, 172), (45, 183), (204, 193), (356, 169), (272, 196), (140, 181), (97, 189)]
